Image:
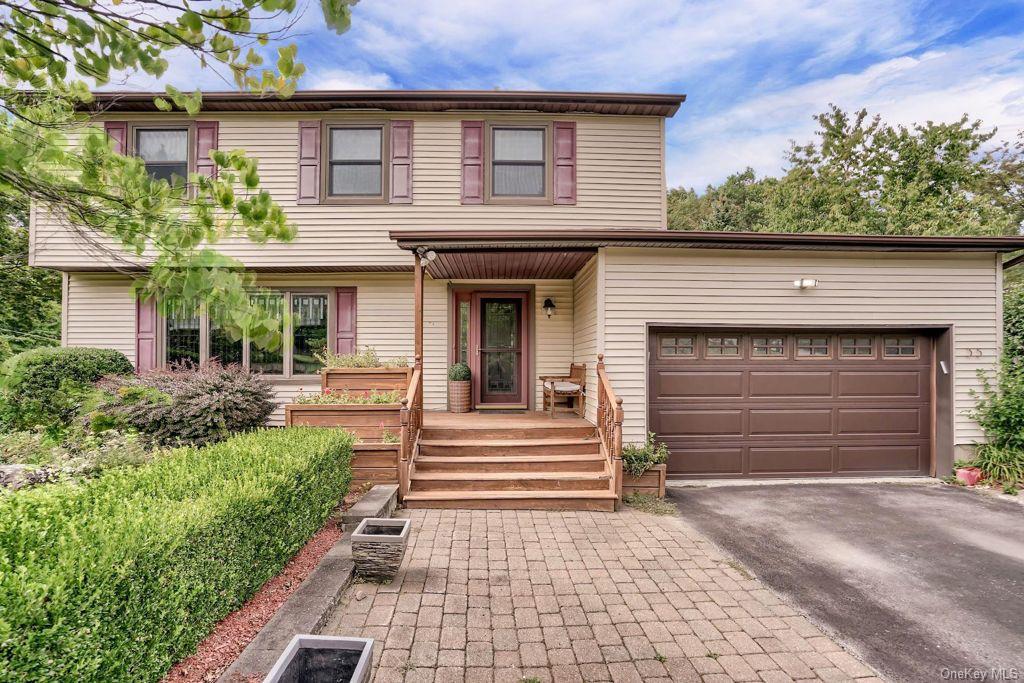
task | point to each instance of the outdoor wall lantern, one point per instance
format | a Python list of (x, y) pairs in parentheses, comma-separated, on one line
[(805, 283), (549, 306)]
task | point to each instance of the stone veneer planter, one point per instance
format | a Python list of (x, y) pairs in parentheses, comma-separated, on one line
[(651, 482), (378, 546), (324, 658)]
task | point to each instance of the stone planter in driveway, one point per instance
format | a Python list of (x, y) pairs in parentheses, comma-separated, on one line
[(311, 658), (378, 546)]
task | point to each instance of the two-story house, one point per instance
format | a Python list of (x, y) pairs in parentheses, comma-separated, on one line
[(522, 232)]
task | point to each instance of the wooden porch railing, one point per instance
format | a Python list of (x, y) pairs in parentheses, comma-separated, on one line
[(609, 426), (412, 422)]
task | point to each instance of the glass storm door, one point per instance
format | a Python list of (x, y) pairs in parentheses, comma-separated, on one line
[(501, 363)]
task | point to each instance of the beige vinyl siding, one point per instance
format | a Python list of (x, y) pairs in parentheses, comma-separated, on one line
[(99, 311), (620, 184), (585, 329), (695, 287)]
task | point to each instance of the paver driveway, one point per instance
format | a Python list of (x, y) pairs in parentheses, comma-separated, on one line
[(507, 595)]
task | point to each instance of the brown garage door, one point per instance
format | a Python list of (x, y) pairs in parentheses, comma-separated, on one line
[(785, 403)]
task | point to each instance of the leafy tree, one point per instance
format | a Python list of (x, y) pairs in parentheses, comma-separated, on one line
[(29, 297), (864, 176), (52, 155)]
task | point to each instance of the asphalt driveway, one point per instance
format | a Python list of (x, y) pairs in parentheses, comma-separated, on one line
[(921, 581)]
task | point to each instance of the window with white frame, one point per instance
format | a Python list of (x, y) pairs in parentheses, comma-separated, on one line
[(164, 152), (355, 161), (518, 167), (286, 346)]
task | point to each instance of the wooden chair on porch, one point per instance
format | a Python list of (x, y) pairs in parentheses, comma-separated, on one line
[(571, 387)]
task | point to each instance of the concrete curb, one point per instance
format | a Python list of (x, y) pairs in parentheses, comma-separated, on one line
[(307, 609)]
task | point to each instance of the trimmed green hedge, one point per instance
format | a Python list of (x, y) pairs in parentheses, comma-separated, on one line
[(43, 386), (119, 577)]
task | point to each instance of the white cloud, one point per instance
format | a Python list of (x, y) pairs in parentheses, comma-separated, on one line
[(345, 79), (984, 80), (642, 44)]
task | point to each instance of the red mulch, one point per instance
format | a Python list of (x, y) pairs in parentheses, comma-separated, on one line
[(233, 633)]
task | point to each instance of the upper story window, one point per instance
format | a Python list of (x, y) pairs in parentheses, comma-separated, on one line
[(355, 160), (165, 153), (519, 162)]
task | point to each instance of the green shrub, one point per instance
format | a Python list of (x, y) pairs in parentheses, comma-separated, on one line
[(367, 358), (333, 397), (999, 408), (459, 373), (186, 406), (1013, 323), (637, 458), (77, 453), (1001, 465), (47, 386), (117, 578)]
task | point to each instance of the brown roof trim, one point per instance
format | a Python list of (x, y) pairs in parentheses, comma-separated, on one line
[(641, 104), (532, 239)]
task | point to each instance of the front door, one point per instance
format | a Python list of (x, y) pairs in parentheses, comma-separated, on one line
[(499, 341)]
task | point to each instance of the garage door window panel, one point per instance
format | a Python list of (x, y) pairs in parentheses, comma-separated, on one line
[(722, 347), (900, 347), (857, 347), (768, 347), (677, 346), (813, 347)]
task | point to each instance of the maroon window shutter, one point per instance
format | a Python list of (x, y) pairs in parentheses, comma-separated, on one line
[(401, 162), (472, 162), (565, 162), (345, 320), (118, 132), (145, 335), (309, 162), (206, 140)]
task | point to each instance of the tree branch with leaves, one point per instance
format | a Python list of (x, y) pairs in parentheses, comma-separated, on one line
[(53, 154)]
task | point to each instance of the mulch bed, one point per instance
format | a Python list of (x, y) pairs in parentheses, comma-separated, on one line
[(233, 633)]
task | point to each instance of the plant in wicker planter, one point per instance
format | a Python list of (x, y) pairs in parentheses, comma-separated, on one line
[(378, 546), (459, 378)]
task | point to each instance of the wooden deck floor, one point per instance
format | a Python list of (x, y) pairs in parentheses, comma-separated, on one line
[(439, 419)]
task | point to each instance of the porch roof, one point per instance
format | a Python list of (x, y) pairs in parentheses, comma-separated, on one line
[(446, 242)]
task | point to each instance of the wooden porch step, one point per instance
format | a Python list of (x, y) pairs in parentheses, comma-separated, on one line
[(562, 445), (479, 464), (511, 481), (513, 500), (495, 433)]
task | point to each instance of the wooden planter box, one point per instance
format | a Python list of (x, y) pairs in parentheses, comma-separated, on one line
[(374, 463), (367, 422), (650, 482), (365, 379)]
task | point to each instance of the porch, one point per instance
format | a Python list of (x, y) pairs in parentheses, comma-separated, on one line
[(506, 454)]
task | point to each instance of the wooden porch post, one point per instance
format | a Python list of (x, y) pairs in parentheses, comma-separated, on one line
[(418, 307)]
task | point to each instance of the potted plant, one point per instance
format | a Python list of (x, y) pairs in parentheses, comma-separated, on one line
[(378, 546), (324, 658), (644, 467), (459, 388)]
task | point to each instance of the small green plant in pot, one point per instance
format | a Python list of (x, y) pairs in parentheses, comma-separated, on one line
[(459, 377), (637, 458)]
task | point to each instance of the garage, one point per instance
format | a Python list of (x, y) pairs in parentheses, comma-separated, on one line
[(791, 403)]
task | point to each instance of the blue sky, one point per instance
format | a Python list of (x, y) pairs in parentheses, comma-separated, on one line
[(754, 71)]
